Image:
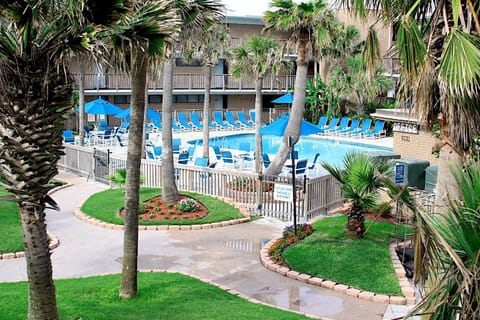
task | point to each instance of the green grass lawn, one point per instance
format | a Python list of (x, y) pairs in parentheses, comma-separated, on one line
[(106, 206), (10, 228), (160, 296), (364, 264)]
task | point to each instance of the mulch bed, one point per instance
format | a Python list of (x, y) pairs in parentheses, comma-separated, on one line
[(155, 209)]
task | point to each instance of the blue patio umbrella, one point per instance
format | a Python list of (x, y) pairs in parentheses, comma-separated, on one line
[(151, 114), (286, 98), (277, 127), (100, 106)]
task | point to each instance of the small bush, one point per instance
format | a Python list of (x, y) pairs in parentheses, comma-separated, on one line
[(187, 205)]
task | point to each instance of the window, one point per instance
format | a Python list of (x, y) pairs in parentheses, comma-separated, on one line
[(183, 98), (121, 99), (155, 99)]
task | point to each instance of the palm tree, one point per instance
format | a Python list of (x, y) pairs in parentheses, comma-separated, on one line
[(438, 46), (138, 38), (447, 252), (36, 39), (309, 24), (209, 45), (195, 16), (352, 77), (258, 57), (359, 183)]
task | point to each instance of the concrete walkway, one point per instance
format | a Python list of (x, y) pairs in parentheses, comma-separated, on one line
[(228, 256)]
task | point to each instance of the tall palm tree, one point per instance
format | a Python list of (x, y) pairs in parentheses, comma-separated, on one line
[(36, 39), (195, 16), (209, 45), (139, 37), (309, 24), (258, 57), (359, 183), (439, 50)]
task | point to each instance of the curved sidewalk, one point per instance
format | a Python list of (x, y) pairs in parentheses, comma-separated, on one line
[(228, 256)]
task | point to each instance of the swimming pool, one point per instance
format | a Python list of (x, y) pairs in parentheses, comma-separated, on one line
[(331, 151)]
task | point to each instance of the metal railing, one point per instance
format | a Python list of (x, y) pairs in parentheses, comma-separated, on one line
[(256, 192)]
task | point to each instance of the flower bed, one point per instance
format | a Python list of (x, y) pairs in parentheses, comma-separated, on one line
[(288, 238)]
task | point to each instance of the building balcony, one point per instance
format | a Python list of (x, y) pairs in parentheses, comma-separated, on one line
[(191, 83)]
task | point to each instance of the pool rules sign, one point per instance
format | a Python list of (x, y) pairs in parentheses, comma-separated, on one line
[(283, 192)]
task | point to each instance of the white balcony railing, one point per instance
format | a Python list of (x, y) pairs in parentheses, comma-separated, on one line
[(189, 81)]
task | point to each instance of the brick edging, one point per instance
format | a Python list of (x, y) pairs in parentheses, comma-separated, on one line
[(77, 212), (407, 290), (54, 242)]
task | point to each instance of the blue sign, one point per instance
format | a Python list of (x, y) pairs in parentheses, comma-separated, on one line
[(399, 173)]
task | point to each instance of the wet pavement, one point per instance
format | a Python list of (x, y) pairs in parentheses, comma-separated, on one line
[(228, 256)]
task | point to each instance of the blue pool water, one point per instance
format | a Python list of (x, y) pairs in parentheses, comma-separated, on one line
[(330, 151)]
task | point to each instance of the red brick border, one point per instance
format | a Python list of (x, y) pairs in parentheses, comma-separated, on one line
[(54, 242), (172, 227), (407, 290)]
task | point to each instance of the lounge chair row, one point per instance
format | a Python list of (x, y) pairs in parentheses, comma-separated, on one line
[(193, 121), (352, 127)]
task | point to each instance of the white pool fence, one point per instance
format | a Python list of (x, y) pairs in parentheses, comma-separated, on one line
[(314, 196)]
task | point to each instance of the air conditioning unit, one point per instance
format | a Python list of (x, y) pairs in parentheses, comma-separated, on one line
[(410, 172)]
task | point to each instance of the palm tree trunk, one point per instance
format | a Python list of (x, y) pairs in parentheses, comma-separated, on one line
[(356, 222), (207, 79), (41, 289), (128, 287), (446, 186), (294, 124), (169, 187), (258, 123), (30, 146), (81, 98)]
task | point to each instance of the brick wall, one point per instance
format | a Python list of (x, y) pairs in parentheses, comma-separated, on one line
[(416, 146)]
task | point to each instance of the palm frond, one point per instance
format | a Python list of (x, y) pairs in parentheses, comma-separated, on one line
[(410, 45), (449, 245), (459, 68)]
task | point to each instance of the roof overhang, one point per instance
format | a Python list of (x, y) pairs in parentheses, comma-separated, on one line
[(404, 115)]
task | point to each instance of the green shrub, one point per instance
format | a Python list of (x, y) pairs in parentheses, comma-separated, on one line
[(187, 205)]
